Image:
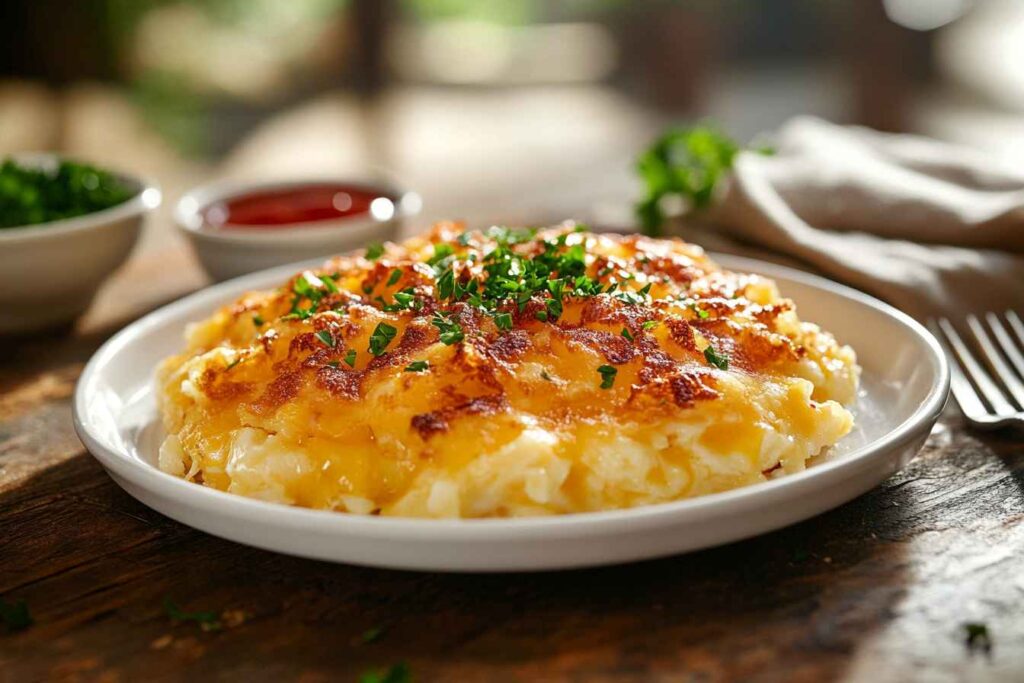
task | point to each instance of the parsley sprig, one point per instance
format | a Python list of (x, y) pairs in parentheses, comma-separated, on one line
[(686, 163)]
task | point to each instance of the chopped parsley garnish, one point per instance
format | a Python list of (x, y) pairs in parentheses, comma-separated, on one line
[(607, 373), (257, 321), (208, 621), (14, 615), (309, 289), (441, 252), (350, 358), (446, 284), (719, 360), (626, 333), (399, 673), (650, 325), (36, 194), (503, 321), (417, 366), (374, 251), (464, 238), (451, 332), (382, 335), (395, 276), (325, 337), (976, 636), (334, 364)]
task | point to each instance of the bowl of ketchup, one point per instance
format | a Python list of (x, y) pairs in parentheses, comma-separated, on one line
[(240, 228)]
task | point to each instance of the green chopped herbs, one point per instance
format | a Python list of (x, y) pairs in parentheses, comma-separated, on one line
[(374, 251), (976, 636), (207, 621), (650, 325), (14, 615), (626, 333), (395, 276), (417, 366), (451, 332), (607, 373), (308, 291), (325, 337), (350, 358), (441, 252), (382, 335), (399, 673), (30, 195), (719, 360), (334, 364), (257, 320), (503, 321), (686, 164)]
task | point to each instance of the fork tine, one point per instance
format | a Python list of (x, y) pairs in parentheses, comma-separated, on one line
[(1003, 373), (970, 405), (989, 390), (1014, 321), (1013, 354)]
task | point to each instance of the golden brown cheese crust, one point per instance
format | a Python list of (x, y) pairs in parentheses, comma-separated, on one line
[(295, 375)]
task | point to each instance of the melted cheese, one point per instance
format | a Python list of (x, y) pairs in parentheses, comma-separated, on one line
[(505, 422)]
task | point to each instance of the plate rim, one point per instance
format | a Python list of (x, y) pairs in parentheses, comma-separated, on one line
[(162, 484)]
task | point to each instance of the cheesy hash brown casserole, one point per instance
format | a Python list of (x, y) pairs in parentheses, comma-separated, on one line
[(501, 373)]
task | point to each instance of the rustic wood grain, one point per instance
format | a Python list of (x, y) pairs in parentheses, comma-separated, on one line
[(876, 590)]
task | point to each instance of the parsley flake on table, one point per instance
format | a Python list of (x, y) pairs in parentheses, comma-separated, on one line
[(14, 615), (976, 636), (207, 621), (399, 673)]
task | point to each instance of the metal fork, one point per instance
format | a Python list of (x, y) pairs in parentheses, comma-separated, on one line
[(988, 383)]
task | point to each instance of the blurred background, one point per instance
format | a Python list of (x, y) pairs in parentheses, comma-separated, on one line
[(493, 110)]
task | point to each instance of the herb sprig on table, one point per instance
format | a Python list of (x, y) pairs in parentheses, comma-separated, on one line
[(686, 164), (31, 195)]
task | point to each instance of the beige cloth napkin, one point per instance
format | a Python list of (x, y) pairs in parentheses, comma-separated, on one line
[(930, 227)]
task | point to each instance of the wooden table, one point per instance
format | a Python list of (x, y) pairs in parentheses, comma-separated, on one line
[(877, 590)]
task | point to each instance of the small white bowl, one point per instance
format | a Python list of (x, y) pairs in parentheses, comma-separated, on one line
[(49, 272), (228, 253)]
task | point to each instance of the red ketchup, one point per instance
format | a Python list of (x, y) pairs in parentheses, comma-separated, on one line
[(273, 208)]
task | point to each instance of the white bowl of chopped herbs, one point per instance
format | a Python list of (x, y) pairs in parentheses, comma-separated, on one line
[(65, 226)]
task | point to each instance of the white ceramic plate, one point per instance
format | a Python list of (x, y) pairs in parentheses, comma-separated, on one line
[(904, 387)]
